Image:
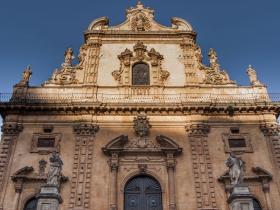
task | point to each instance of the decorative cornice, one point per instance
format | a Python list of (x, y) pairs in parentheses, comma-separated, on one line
[(198, 129), (86, 129)]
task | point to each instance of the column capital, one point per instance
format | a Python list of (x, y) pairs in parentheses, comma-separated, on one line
[(11, 128), (270, 129), (198, 129), (85, 129)]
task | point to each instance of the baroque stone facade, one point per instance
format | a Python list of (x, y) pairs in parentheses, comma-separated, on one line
[(139, 123)]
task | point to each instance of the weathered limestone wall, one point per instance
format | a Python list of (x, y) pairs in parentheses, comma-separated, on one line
[(187, 180)]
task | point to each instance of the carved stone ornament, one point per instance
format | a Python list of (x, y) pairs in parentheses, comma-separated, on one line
[(200, 129), (140, 23), (140, 54), (141, 125), (122, 144), (270, 129), (25, 77), (66, 74), (214, 74), (139, 19), (86, 129), (11, 128)]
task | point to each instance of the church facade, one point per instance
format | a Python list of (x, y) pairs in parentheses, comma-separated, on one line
[(140, 123)]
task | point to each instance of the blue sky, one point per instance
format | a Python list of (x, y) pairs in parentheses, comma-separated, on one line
[(37, 32)]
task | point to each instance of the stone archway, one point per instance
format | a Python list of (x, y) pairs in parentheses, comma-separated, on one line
[(142, 192)]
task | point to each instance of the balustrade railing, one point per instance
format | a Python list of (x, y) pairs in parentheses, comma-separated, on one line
[(84, 98)]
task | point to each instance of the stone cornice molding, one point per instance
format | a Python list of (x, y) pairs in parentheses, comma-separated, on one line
[(129, 108), (85, 129)]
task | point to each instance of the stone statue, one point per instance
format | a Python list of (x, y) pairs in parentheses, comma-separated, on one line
[(54, 174), (213, 59), (253, 76), (236, 169), (68, 57), (198, 55), (25, 77)]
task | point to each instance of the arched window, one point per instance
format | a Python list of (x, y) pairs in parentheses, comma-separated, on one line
[(31, 204), (140, 74), (256, 205)]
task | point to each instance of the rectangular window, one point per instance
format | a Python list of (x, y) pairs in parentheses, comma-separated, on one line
[(236, 143), (46, 142)]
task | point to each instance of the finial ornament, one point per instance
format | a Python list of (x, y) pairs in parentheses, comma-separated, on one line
[(236, 169), (253, 76), (25, 77)]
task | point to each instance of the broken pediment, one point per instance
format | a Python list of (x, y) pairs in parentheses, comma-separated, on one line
[(122, 144), (140, 18)]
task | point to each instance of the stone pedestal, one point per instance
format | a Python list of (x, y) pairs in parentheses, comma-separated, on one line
[(49, 198), (241, 198)]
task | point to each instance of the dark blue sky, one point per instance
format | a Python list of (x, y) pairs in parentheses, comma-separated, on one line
[(37, 33)]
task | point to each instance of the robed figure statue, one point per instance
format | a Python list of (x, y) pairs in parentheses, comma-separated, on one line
[(54, 174), (236, 169)]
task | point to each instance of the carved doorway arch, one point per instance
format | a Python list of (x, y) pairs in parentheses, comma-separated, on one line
[(143, 193)]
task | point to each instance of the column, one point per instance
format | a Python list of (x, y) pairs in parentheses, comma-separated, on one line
[(170, 164), (114, 165)]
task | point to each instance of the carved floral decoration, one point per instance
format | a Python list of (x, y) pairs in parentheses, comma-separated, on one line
[(140, 54)]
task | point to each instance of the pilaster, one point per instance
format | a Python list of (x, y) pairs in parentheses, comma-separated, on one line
[(91, 67), (82, 166), (10, 132), (202, 166)]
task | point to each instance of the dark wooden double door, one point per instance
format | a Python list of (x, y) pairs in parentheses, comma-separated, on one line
[(143, 193)]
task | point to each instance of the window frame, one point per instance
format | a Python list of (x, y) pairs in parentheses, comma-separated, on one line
[(132, 74)]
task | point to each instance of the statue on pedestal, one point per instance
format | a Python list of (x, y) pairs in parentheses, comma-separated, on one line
[(236, 169), (25, 77), (54, 174)]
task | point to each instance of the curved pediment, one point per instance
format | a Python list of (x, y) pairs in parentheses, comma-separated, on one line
[(140, 18)]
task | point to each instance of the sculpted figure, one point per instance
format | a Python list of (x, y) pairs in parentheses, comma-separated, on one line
[(140, 23), (213, 59), (253, 76), (198, 54), (68, 57), (25, 77), (236, 169), (27, 74), (54, 174)]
